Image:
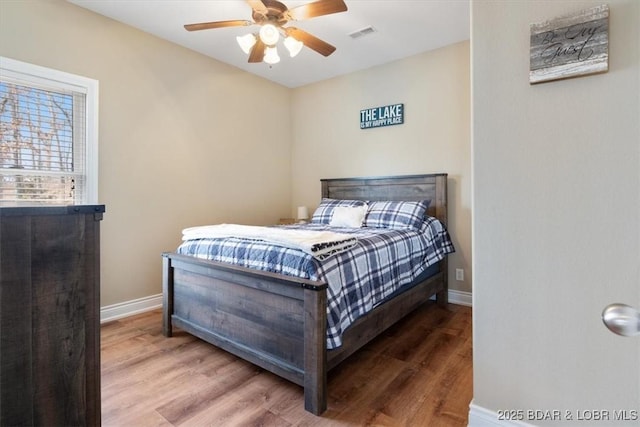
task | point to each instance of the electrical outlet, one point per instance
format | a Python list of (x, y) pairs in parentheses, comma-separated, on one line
[(459, 274)]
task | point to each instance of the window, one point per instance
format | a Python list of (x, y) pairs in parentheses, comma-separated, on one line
[(48, 136)]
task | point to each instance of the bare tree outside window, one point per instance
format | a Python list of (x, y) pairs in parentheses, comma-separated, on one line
[(48, 136), (39, 161)]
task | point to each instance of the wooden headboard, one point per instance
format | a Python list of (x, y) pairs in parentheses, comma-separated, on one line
[(408, 187)]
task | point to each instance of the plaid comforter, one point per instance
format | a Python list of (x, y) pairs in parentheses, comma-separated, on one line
[(358, 279)]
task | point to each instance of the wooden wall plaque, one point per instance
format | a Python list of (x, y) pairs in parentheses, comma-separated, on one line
[(570, 46)]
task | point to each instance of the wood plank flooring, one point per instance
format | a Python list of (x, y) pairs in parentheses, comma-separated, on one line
[(418, 373)]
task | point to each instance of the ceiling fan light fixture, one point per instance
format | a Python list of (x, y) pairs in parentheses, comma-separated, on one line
[(293, 46), (271, 55), (269, 34), (246, 42), (273, 18)]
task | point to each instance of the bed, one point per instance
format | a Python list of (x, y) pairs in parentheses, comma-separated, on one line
[(279, 322)]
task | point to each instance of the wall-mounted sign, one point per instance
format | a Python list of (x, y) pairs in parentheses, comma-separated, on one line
[(570, 46), (382, 116)]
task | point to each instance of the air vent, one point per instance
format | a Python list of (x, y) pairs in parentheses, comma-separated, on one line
[(362, 32)]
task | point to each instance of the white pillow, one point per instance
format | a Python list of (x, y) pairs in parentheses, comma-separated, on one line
[(348, 216)]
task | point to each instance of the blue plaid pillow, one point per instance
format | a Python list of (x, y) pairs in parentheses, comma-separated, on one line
[(324, 212), (396, 215)]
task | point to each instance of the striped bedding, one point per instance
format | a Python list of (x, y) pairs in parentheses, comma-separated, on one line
[(382, 261)]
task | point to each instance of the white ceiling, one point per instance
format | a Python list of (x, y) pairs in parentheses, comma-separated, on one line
[(403, 28)]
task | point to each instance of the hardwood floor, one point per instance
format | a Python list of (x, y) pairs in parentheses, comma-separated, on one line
[(418, 373)]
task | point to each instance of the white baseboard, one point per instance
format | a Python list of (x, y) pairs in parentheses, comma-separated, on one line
[(482, 417), (140, 305), (458, 297), (129, 308)]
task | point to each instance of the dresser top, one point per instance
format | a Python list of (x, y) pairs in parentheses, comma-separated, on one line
[(51, 210)]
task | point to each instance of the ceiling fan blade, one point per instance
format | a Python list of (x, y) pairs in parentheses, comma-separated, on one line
[(216, 24), (258, 6), (317, 8), (257, 53), (310, 41)]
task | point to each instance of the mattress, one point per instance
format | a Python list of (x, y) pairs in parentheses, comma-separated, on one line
[(381, 263)]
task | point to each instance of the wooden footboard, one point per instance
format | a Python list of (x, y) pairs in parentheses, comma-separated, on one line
[(273, 321), (276, 322)]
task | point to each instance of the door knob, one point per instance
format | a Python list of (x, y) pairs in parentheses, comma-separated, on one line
[(622, 319)]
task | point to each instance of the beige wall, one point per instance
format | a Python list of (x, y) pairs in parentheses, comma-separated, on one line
[(434, 87), (187, 140), (184, 139), (556, 230)]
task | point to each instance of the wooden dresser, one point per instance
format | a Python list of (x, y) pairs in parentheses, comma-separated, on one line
[(50, 316)]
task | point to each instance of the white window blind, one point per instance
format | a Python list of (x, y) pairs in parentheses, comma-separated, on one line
[(48, 144)]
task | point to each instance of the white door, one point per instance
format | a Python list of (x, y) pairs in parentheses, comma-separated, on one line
[(556, 223)]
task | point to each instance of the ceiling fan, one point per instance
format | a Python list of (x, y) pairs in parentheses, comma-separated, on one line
[(272, 16)]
